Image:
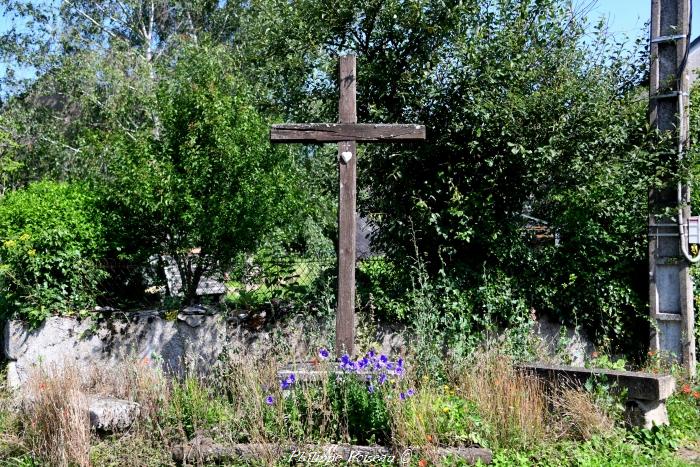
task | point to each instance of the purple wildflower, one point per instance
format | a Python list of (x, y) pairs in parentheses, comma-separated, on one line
[(402, 396), (371, 353), (382, 378), (389, 366), (383, 358), (398, 370), (370, 388), (410, 392), (323, 353), (287, 383), (269, 400)]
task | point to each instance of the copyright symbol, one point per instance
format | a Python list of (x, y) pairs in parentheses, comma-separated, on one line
[(406, 457)]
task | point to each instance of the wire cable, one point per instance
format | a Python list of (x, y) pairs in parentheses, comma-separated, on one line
[(681, 144)]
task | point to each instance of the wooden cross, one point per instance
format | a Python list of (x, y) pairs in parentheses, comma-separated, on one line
[(346, 133)]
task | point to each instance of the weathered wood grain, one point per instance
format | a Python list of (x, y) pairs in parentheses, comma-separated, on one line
[(318, 133), (345, 318), (346, 133)]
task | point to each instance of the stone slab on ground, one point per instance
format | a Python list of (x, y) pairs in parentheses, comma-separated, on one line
[(204, 450), (646, 392), (689, 454), (639, 385), (192, 339), (109, 414), (309, 372)]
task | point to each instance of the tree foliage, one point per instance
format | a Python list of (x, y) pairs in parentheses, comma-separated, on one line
[(210, 179), (526, 115)]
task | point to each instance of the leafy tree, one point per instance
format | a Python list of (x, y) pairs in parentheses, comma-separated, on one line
[(525, 116), (112, 99), (210, 179)]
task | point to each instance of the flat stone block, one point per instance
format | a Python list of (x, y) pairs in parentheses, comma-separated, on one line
[(646, 414), (639, 385), (108, 414)]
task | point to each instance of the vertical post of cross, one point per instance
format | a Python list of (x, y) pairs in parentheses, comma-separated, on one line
[(346, 133), (347, 165), (670, 286)]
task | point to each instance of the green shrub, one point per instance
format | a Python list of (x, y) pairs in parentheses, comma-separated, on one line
[(195, 407), (52, 241), (382, 286), (364, 413), (684, 411)]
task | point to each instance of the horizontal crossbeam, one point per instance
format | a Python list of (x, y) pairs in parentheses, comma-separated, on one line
[(316, 133)]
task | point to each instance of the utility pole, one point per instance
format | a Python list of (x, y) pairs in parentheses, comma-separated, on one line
[(670, 286)]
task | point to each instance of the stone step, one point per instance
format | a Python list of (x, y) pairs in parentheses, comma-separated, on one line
[(111, 415)]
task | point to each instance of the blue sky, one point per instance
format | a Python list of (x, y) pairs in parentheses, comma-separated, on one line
[(628, 17), (624, 18)]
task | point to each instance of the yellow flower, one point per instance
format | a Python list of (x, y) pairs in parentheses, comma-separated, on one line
[(9, 244), (24, 237), (445, 409), (31, 252), (425, 378), (446, 388)]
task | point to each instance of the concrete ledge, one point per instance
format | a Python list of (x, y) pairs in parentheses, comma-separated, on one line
[(204, 450), (641, 386), (315, 372), (646, 392)]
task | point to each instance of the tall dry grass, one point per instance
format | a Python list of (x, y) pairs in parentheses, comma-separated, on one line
[(55, 417), (135, 380), (248, 385), (575, 415), (514, 405), (487, 402)]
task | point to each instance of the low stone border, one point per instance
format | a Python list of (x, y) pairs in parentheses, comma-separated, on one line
[(204, 450)]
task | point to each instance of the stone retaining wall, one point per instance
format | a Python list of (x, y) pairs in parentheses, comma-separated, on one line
[(193, 338)]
